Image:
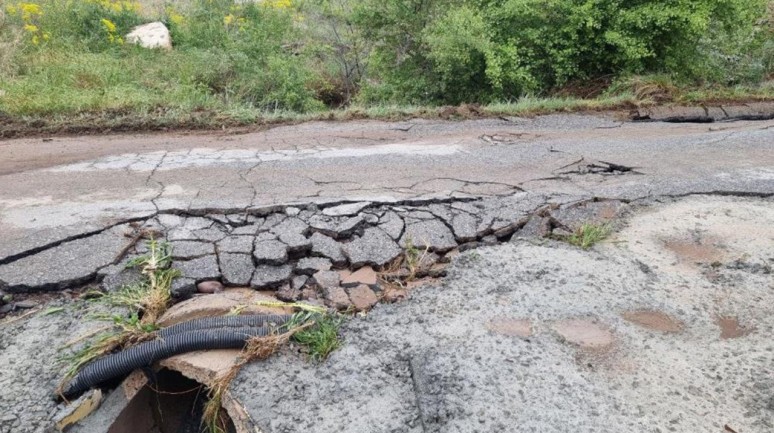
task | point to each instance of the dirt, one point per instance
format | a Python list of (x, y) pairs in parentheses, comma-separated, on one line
[(586, 333), (731, 328), (695, 251), (511, 327), (655, 320)]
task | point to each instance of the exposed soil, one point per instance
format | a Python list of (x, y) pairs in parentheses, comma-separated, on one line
[(655, 320), (731, 328)]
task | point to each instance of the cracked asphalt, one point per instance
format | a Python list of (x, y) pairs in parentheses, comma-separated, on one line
[(523, 335), (69, 186)]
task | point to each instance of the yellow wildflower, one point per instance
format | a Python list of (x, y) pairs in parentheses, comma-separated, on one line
[(32, 28), (30, 10), (174, 17), (35, 40), (11, 9), (228, 19), (278, 4), (110, 27)]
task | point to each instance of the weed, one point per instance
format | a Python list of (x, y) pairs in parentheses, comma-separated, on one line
[(587, 235), (52, 310), (413, 258), (318, 331), (322, 338), (145, 302)]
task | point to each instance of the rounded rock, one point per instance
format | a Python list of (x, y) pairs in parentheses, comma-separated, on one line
[(209, 287)]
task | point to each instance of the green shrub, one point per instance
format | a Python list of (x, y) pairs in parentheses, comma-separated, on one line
[(483, 50)]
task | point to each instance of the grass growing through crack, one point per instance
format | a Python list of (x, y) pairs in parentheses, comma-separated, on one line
[(312, 327), (144, 301), (322, 338), (587, 235)]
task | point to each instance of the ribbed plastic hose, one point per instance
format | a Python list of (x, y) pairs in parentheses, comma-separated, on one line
[(147, 353), (252, 320)]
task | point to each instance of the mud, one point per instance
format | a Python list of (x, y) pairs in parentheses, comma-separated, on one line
[(731, 328), (655, 320)]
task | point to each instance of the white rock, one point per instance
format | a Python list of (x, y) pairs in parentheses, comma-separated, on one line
[(151, 35)]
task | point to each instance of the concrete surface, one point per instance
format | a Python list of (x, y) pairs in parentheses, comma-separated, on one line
[(435, 364)]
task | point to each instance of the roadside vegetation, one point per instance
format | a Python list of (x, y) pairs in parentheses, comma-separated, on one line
[(67, 63), (134, 310)]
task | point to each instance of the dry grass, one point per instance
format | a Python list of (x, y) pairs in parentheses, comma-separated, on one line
[(145, 302), (257, 348)]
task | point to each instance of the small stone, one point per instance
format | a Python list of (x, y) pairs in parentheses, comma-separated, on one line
[(26, 305), (326, 279), (270, 252), (365, 275), (299, 282), (6, 298), (362, 297), (336, 297), (182, 287), (267, 276), (287, 293), (337, 228), (7, 308), (237, 269), (152, 35), (209, 287), (292, 211), (346, 209), (310, 265), (309, 294), (374, 248), (326, 247)]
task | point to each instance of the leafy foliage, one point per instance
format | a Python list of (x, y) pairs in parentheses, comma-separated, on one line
[(485, 50), (245, 59)]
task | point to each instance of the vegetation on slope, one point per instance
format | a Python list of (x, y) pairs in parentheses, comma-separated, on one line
[(66, 61)]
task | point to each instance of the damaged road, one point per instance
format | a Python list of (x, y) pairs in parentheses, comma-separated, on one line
[(524, 331)]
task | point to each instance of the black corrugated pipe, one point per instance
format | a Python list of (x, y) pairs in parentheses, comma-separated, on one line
[(246, 321), (147, 353)]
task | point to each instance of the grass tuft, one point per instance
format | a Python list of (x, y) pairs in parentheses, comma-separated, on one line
[(144, 303), (587, 235), (318, 332), (322, 338)]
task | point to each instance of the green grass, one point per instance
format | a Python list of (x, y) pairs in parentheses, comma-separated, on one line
[(272, 71), (321, 339), (587, 235), (133, 310)]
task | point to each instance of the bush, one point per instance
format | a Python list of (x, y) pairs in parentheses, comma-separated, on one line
[(483, 50)]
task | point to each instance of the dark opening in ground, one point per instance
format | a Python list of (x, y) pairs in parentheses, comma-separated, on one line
[(173, 404)]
